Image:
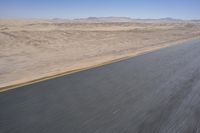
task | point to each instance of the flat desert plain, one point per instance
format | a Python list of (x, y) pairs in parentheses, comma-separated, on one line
[(32, 49)]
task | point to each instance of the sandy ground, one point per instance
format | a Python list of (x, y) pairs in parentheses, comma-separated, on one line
[(34, 49)]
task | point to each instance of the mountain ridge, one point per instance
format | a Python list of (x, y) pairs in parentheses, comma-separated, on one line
[(123, 19)]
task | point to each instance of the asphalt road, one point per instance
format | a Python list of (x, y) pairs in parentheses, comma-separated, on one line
[(157, 92)]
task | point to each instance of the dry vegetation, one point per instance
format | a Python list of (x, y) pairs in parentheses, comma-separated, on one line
[(33, 49)]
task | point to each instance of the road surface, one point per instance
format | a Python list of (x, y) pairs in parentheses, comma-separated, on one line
[(157, 92)]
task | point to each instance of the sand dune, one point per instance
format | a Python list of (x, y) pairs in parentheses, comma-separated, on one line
[(33, 49)]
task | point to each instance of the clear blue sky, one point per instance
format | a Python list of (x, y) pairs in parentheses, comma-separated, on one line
[(184, 9)]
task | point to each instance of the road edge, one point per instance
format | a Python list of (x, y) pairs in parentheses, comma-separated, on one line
[(45, 78)]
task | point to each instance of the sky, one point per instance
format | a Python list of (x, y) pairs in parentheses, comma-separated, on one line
[(144, 9)]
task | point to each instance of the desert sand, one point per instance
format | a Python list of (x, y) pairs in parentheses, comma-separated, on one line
[(31, 49)]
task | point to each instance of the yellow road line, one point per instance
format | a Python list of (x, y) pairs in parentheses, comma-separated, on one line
[(3, 89)]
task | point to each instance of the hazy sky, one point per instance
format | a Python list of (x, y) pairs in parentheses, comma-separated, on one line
[(184, 9)]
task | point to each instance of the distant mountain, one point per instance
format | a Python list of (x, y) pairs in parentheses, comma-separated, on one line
[(170, 19), (59, 20), (121, 19), (104, 19), (163, 20), (127, 19), (196, 20)]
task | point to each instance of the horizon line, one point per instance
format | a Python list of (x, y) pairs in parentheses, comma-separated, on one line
[(95, 17)]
